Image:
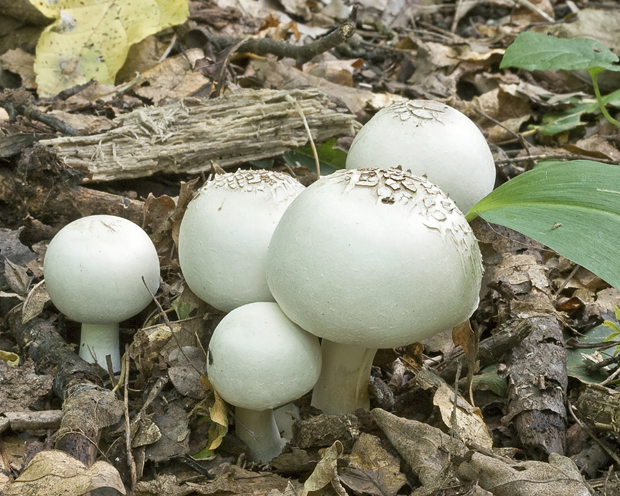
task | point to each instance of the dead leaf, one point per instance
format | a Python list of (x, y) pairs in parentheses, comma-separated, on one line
[(218, 414), (469, 422), (372, 470), (428, 451), (20, 62), (595, 147), (11, 359), (90, 40), (559, 477), (174, 78), (17, 277), (21, 386), (325, 472), (55, 473), (35, 301)]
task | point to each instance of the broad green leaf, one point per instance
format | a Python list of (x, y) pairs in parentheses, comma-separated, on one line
[(575, 362), (572, 207), (539, 52), (330, 158), (90, 38), (565, 120)]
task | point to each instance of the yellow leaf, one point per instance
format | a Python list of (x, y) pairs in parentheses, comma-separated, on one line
[(11, 359), (219, 416), (90, 38)]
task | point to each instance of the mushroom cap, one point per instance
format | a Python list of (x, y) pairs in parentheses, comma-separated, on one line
[(225, 233), (258, 359), (375, 258), (94, 267), (432, 139)]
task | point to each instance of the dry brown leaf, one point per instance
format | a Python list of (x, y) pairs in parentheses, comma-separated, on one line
[(55, 473), (372, 470), (595, 147), (428, 451), (325, 472), (34, 302), (559, 477), (174, 78), (22, 63), (469, 422)]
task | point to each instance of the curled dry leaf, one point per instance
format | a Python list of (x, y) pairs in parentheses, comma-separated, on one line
[(55, 473), (325, 472)]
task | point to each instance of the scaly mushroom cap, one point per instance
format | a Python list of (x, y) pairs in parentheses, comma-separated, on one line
[(94, 267), (375, 258), (258, 359), (432, 139), (225, 233)]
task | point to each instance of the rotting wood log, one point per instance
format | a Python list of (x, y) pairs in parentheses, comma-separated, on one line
[(185, 137), (87, 406)]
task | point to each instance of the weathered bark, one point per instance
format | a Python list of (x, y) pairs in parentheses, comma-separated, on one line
[(87, 406), (187, 136), (538, 382)]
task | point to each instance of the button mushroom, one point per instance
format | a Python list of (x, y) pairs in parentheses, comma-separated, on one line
[(432, 139), (369, 259), (93, 272), (225, 232), (258, 360)]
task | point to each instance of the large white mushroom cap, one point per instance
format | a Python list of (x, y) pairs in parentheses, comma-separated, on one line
[(375, 258), (432, 139), (258, 359), (225, 233), (94, 267)]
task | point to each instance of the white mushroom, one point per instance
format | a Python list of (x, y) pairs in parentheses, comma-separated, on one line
[(225, 233), (259, 360), (93, 273), (369, 259), (432, 139)]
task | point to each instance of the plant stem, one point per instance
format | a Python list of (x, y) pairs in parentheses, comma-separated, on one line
[(594, 75), (98, 341), (343, 384), (259, 432)]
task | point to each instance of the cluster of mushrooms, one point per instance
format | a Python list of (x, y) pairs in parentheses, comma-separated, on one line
[(372, 256)]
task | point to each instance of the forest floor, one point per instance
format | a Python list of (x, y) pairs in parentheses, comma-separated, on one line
[(537, 406)]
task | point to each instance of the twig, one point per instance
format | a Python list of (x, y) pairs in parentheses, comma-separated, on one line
[(555, 156), (130, 461), (301, 54), (529, 5), (519, 136), (589, 432), (290, 99), (21, 102)]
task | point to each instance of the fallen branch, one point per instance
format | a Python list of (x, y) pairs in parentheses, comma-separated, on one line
[(186, 136)]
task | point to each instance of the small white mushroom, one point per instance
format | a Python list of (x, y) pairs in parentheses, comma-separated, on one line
[(432, 139), (225, 233), (93, 273), (258, 360), (369, 259)]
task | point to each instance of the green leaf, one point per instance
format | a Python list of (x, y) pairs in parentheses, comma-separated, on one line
[(572, 207), (565, 120), (331, 158), (575, 363), (489, 377), (539, 52)]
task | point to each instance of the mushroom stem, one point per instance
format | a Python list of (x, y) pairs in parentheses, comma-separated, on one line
[(258, 430), (343, 384), (98, 341)]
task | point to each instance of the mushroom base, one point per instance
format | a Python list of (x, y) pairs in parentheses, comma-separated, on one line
[(343, 384), (98, 341), (258, 430)]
